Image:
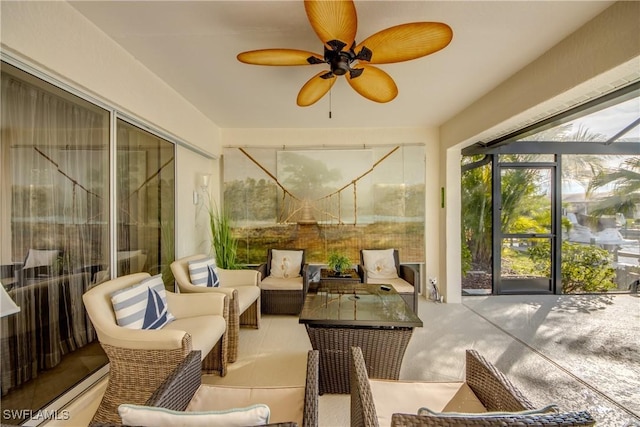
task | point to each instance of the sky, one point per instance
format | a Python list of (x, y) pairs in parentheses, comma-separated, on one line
[(612, 120)]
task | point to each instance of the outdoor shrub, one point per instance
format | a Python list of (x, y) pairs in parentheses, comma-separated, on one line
[(585, 268), (466, 258)]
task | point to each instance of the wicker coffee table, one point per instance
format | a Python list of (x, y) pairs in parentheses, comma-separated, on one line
[(373, 317)]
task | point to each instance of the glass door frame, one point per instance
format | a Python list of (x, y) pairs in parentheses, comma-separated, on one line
[(555, 279)]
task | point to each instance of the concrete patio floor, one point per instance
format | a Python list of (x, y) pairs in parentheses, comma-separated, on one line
[(581, 352), (578, 351)]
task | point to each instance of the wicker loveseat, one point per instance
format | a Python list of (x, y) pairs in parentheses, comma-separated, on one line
[(382, 402), (290, 406)]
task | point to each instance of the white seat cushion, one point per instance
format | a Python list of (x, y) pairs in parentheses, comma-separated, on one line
[(285, 403), (247, 295), (205, 331), (271, 283), (400, 285), (407, 397)]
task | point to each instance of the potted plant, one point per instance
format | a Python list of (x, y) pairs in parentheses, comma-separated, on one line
[(338, 262)]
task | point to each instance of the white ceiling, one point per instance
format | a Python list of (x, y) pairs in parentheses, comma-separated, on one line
[(192, 45)]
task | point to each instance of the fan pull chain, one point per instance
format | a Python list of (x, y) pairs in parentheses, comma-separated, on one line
[(329, 103)]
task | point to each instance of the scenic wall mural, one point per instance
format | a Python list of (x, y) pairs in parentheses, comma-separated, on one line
[(326, 200)]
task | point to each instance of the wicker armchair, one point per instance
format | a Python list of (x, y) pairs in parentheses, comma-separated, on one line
[(407, 282), (140, 359), (283, 296), (184, 382), (483, 383), (240, 286)]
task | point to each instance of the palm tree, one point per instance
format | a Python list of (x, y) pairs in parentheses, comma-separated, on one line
[(517, 186), (626, 188)]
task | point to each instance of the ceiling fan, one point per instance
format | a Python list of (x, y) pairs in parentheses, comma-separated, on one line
[(336, 23)]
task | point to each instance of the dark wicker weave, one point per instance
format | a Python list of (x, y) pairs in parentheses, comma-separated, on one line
[(177, 390), (281, 302), (492, 387), (134, 375), (494, 390), (564, 419), (383, 353), (408, 273), (284, 301)]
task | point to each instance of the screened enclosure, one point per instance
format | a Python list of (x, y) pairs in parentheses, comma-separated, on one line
[(555, 208)]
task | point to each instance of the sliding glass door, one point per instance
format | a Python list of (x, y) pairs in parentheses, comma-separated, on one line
[(54, 238), (145, 202), (61, 232)]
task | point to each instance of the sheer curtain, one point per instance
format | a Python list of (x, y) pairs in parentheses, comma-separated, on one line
[(145, 202), (54, 233)]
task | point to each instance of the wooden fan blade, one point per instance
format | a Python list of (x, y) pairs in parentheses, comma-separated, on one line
[(277, 57), (333, 20), (314, 89), (373, 84), (407, 41)]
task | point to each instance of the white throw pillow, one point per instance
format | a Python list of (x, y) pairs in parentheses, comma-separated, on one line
[(40, 257), (149, 416), (285, 264), (142, 306), (380, 263)]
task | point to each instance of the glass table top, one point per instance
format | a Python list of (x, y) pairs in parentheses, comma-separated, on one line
[(358, 305)]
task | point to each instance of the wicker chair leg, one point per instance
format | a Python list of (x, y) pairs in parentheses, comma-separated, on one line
[(216, 361), (233, 328), (251, 316), (134, 375)]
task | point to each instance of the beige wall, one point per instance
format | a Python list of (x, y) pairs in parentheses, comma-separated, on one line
[(55, 39), (599, 56)]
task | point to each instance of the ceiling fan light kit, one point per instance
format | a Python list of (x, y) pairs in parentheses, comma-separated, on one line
[(336, 23)]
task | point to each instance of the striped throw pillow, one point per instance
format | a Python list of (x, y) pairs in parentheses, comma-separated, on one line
[(142, 306), (203, 272)]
